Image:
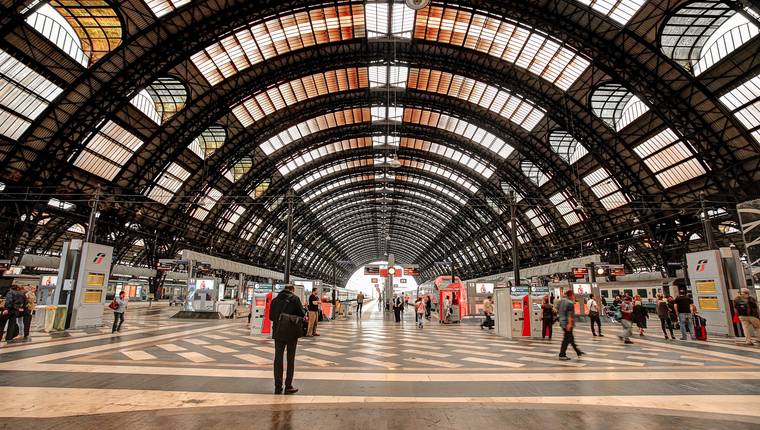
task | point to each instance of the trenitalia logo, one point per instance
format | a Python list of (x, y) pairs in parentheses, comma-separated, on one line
[(701, 264), (99, 258)]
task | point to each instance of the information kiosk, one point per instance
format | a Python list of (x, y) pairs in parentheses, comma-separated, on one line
[(90, 286), (710, 288)]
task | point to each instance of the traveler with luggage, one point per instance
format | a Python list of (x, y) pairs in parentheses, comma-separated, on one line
[(593, 315), (547, 318), (685, 309), (664, 314), (747, 310), (488, 311), (398, 303), (15, 308), (566, 311), (286, 314)]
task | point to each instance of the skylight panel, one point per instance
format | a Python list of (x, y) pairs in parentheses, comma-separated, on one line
[(463, 128), (51, 24), (168, 183), (606, 189), (566, 206), (616, 106), (314, 125), (209, 141), (377, 18), (670, 158), (239, 169), (206, 204), (484, 169), (108, 150), (60, 204), (234, 214), (513, 107), (330, 170), (621, 11), (286, 94), (443, 172), (534, 173), (744, 103), (508, 40), (162, 7), (287, 166), (277, 36), (566, 146), (538, 220), (24, 95), (260, 189)]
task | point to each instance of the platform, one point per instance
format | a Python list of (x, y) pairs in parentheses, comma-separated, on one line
[(371, 374)]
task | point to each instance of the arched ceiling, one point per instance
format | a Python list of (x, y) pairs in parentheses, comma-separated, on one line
[(397, 131)]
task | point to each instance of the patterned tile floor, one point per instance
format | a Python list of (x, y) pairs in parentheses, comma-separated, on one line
[(180, 367)]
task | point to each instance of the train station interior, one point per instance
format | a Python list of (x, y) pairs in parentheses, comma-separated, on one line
[(379, 214)]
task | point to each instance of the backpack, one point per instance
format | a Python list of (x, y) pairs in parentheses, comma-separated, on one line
[(289, 327)]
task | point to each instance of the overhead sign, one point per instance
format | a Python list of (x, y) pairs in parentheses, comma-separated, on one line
[(373, 280), (617, 270), (580, 272), (372, 270), (411, 271)]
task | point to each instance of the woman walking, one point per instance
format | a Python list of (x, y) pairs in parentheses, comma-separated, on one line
[(119, 306), (640, 315), (420, 307), (663, 313)]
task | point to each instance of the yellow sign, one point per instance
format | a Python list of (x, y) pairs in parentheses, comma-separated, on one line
[(96, 279), (706, 287), (709, 304), (93, 296)]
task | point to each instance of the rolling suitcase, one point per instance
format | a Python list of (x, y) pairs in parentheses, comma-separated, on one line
[(700, 328)]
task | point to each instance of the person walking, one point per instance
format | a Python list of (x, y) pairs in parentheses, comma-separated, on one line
[(488, 312), (663, 313), (593, 315), (419, 306), (313, 307), (398, 303), (566, 311), (15, 306), (118, 312), (747, 311), (289, 306), (428, 307), (684, 308), (640, 314), (31, 303), (626, 319), (547, 318), (359, 304)]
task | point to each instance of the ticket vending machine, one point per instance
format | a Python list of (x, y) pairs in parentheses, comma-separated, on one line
[(537, 294), (520, 298), (258, 309)]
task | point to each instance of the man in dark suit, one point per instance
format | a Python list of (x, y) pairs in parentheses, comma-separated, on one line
[(285, 303)]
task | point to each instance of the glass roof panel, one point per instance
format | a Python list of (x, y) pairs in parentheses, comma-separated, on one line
[(206, 203), (51, 24), (209, 141), (286, 94), (168, 183), (485, 169), (508, 40), (565, 204), (455, 125), (671, 159), (539, 221), (95, 22), (260, 189), (277, 36), (534, 173), (619, 10), (510, 106), (605, 188), (286, 166), (162, 7), (240, 168), (24, 94), (108, 150), (313, 125), (744, 103), (616, 106), (566, 146)]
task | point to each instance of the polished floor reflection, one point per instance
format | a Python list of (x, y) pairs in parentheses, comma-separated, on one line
[(370, 373)]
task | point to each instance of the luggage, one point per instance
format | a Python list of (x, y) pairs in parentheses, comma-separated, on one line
[(700, 328)]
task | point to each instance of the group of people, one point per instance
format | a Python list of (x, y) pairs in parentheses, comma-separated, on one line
[(16, 312), (423, 307)]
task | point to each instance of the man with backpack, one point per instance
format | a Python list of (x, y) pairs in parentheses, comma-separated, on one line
[(15, 307), (286, 314)]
